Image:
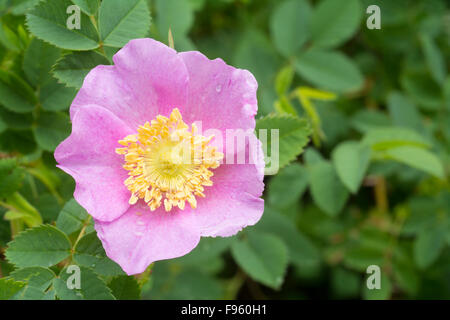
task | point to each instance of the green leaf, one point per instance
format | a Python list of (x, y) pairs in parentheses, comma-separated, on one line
[(9, 288), (3, 125), (72, 217), (55, 96), (417, 158), (283, 80), (74, 67), (51, 129), (89, 253), (403, 111), (302, 251), (38, 61), (327, 190), (424, 213), (421, 87), (19, 7), (15, 120), (37, 281), (289, 26), (17, 141), (346, 284), (48, 205), (110, 52), (373, 238), (434, 58), (168, 283), (383, 293), (48, 21), (393, 137), (359, 258), (120, 21), (366, 120), (178, 15), (22, 209), (42, 246), (264, 257), (9, 39), (334, 22), (90, 7), (15, 94), (205, 251), (125, 288), (293, 134), (351, 160), (447, 93), (312, 156), (406, 277), (11, 177), (287, 186), (46, 175), (429, 244), (329, 70), (91, 287)]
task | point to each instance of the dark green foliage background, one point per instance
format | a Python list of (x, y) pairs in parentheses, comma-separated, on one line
[(371, 188)]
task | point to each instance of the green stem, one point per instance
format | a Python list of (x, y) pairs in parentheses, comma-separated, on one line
[(381, 199), (144, 277), (80, 235), (16, 227), (33, 187), (82, 231), (234, 285)]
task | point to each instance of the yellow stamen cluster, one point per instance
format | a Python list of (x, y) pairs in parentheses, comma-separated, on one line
[(168, 163)]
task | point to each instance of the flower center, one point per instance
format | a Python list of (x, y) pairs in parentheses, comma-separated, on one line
[(168, 162)]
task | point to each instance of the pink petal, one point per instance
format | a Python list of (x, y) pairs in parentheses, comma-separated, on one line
[(157, 75), (220, 96), (148, 79), (233, 202), (140, 237), (88, 155)]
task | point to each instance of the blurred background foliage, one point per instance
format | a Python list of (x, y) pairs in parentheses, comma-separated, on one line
[(370, 189)]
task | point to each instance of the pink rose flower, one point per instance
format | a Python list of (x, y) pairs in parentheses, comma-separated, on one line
[(130, 123)]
